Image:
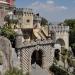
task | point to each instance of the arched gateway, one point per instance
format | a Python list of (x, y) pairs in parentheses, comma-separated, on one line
[(37, 57), (40, 52)]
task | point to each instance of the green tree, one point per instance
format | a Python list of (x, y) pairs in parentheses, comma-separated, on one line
[(57, 70), (9, 33), (71, 24), (44, 21)]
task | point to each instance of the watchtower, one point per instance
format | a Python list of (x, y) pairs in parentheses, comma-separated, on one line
[(25, 17)]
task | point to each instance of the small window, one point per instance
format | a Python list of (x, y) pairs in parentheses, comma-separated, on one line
[(28, 21)]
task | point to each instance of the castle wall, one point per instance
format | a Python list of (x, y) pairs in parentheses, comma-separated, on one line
[(61, 32), (29, 47)]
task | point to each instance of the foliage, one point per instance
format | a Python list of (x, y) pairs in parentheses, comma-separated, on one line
[(64, 51), (14, 71), (71, 24), (57, 70), (9, 33), (44, 21), (71, 62)]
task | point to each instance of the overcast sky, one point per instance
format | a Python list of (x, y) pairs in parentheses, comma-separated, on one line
[(53, 10)]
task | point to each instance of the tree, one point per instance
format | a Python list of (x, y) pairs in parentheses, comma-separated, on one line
[(44, 21), (57, 70), (71, 24), (9, 33)]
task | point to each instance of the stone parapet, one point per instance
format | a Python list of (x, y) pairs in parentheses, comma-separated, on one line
[(58, 28), (21, 11), (38, 42)]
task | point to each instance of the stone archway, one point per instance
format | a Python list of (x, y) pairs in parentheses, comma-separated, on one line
[(61, 42), (37, 57)]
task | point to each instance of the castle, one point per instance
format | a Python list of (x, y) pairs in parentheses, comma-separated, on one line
[(5, 7), (35, 43)]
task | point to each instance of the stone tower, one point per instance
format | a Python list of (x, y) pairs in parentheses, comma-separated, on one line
[(25, 17)]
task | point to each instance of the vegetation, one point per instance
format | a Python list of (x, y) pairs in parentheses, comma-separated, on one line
[(57, 70), (71, 23), (64, 54), (14, 71), (9, 33), (44, 21)]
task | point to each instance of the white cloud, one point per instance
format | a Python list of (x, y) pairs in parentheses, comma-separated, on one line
[(49, 6), (35, 3), (63, 7), (48, 10), (50, 2)]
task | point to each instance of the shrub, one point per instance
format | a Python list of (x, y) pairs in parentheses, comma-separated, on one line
[(9, 33), (14, 71), (58, 71)]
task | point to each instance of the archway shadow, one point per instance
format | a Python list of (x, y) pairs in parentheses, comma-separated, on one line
[(37, 58)]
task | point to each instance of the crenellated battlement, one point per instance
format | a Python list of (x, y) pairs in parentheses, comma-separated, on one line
[(58, 28), (38, 42), (26, 11)]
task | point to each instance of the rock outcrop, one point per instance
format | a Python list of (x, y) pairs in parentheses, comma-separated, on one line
[(6, 52)]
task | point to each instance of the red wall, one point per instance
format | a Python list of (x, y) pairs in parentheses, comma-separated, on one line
[(10, 2)]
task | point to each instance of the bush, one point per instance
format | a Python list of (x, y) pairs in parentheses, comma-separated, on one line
[(14, 71), (9, 33), (58, 71)]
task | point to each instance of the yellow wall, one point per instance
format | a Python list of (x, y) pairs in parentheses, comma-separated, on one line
[(25, 23)]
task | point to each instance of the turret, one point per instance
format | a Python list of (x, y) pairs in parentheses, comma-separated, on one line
[(25, 17), (37, 20)]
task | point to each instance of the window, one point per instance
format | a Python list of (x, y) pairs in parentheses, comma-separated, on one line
[(28, 21)]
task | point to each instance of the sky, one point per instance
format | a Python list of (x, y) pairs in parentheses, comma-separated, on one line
[(52, 10)]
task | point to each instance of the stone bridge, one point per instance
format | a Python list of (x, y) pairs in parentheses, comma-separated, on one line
[(40, 52)]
